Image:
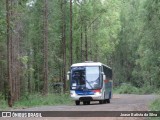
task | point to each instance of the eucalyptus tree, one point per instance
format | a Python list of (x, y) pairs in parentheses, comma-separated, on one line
[(45, 49), (71, 39), (125, 55), (149, 45), (3, 47), (9, 82), (14, 35)]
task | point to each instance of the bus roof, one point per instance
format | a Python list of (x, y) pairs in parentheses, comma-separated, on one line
[(90, 63)]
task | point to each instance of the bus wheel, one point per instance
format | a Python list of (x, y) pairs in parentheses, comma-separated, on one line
[(101, 102), (77, 102), (105, 101), (108, 100), (88, 102), (84, 102)]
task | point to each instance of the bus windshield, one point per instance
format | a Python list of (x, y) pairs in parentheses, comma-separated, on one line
[(85, 78)]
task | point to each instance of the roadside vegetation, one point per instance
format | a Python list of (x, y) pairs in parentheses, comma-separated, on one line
[(155, 106), (3, 103), (127, 88), (38, 100), (130, 89), (40, 39)]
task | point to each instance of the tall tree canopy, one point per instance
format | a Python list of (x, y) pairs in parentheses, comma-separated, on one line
[(40, 39)]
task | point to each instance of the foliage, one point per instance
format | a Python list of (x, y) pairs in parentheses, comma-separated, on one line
[(122, 34), (3, 103), (32, 100), (136, 58), (146, 89), (37, 100), (148, 49), (155, 106), (126, 89)]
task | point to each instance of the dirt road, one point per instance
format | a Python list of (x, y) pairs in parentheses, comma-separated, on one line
[(122, 102)]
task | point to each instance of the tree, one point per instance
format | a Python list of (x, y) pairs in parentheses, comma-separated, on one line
[(10, 97), (14, 37), (41, 35), (148, 49), (45, 47), (71, 33), (125, 55), (63, 9)]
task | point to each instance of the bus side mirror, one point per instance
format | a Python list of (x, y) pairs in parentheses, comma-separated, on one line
[(103, 76), (68, 74)]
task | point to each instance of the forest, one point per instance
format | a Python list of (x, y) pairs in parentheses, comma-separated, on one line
[(40, 39)]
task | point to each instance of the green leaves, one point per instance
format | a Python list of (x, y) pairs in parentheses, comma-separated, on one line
[(137, 53), (24, 60), (123, 34)]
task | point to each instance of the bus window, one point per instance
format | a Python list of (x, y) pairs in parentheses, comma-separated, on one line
[(78, 78), (92, 77), (86, 78)]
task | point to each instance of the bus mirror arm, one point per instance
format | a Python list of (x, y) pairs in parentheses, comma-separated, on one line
[(103, 76), (68, 74)]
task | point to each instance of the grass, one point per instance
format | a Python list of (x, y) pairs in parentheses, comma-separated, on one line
[(155, 106), (3, 104), (38, 100), (129, 89)]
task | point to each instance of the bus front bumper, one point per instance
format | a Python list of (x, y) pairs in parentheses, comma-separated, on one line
[(95, 97)]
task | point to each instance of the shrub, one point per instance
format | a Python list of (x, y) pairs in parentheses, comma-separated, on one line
[(127, 89)]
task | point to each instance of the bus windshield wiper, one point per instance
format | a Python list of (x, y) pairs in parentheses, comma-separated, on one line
[(89, 84)]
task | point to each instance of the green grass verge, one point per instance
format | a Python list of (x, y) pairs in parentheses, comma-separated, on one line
[(38, 100), (155, 106), (3, 103)]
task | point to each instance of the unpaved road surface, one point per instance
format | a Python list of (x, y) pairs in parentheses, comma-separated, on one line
[(123, 102)]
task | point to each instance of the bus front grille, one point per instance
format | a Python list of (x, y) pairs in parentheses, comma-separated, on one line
[(85, 98)]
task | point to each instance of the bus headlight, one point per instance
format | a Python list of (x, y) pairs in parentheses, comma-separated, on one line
[(97, 93), (72, 93)]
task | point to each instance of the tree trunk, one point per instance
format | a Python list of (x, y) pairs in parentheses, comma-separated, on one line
[(45, 35), (70, 32), (9, 71), (86, 43), (81, 44), (15, 39), (90, 44), (63, 7)]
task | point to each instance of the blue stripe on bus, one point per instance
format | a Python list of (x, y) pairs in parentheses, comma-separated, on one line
[(81, 92)]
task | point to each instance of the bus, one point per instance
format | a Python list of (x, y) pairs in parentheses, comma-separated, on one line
[(90, 81)]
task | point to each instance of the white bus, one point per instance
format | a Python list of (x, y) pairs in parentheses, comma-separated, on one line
[(90, 81)]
